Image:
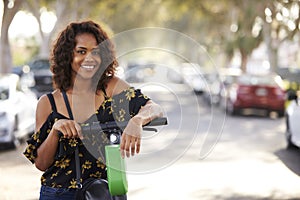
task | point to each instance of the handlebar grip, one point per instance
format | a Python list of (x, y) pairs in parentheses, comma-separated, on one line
[(158, 122)]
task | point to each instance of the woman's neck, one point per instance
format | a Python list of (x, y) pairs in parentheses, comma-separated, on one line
[(81, 87)]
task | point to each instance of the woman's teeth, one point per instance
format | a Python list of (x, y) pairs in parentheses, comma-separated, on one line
[(88, 66)]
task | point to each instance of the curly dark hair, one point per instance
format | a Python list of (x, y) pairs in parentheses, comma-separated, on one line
[(62, 55)]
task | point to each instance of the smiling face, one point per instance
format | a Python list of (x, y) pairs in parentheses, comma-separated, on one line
[(86, 59)]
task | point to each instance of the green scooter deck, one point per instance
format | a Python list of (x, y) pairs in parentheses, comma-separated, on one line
[(116, 175)]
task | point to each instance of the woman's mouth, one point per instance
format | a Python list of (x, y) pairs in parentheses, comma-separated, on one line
[(88, 67)]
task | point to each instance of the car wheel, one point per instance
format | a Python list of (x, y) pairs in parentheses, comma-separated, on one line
[(280, 113), (14, 144), (14, 140)]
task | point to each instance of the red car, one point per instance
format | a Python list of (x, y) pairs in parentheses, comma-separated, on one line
[(255, 92)]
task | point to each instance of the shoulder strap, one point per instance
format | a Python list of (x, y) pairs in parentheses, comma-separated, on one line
[(77, 161), (104, 92), (67, 104), (52, 102)]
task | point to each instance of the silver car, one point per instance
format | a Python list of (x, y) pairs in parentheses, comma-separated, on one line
[(17, 110), (292, 121)]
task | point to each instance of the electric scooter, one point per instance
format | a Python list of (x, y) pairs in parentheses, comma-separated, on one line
[(116, 174)]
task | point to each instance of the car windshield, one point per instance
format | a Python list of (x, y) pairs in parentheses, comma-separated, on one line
[(4, 93), (40, 65), (260, 80)]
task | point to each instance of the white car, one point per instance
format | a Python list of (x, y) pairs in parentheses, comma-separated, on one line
[(292, 121), (194, 77), (17, 110)]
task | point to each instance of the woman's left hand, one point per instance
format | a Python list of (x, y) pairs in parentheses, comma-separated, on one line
[(131, 138)]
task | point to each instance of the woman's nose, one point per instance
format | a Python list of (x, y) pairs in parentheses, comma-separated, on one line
[(89, 57)]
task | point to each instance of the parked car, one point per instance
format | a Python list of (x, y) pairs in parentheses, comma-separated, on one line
[(139, 72), (40, 70), (194, 76), (17, 110), (218, 82), (255, 92), (292, 117)]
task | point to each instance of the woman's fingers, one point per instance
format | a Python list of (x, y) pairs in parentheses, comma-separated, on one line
[(129, 145), (69, 128), (138, 145), (78, 130)]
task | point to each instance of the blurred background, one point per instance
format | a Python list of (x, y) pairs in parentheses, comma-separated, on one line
[(216, 66), (251, 35)]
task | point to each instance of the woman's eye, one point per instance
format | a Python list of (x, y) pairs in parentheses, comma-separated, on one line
[(95, 53), (81, 52)]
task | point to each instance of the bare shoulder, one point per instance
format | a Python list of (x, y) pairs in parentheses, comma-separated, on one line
[(43, 103), (116, 85), (43, 110)]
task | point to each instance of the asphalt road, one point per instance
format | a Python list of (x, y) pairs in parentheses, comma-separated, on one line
[(200, 154)]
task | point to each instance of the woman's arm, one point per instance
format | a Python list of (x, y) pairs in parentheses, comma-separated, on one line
[(69, 128), (46, 152), (131, 137)]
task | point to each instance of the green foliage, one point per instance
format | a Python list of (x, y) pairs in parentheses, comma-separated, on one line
[(209, 22), (24, 49)]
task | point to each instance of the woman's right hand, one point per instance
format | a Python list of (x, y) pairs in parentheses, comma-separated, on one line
[(69, 128)]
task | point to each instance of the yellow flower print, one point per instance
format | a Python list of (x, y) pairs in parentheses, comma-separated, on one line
[(96, 175), (55, 120), (87, 165), (64, 163), (73, 142), (54, 175), (121, 116), (72, 183), (29, 152), (68, 172), (36, 135), (105, 102), (130, 94), (143, 96), (43, 180), (55, 185), (111, 109), (100, 163)]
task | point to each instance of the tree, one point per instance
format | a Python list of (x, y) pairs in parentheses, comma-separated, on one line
[(281, 23), (65, 11), (246, 29), (11, 7)]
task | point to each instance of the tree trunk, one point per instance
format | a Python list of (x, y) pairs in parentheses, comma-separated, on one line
[(5, 52), (244, 60), (272, 47), (44, 47)]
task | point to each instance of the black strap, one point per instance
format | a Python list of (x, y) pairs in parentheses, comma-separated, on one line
[(103, 90), (68, 105), (77, 161), (52, 102)]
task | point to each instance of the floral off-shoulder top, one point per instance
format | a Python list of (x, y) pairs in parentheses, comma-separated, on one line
[(61, 173)]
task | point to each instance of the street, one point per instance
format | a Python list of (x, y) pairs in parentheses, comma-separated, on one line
[(200, 154)]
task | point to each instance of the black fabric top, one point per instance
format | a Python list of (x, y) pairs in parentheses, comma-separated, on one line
[(61, 173)]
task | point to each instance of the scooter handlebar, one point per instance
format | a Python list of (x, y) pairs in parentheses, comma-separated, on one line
[(113, 125)]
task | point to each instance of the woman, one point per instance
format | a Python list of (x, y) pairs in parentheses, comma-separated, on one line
[(83, 64)]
